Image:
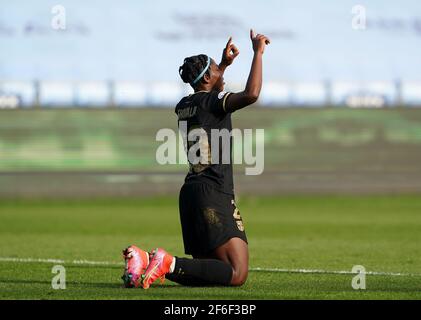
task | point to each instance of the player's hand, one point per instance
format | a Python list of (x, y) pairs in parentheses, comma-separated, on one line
[(229, 53), (259, 42)]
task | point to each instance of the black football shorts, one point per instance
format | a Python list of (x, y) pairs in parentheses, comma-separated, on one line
[(209, 218)]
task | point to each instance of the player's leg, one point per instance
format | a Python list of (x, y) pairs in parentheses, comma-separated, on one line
[(227, 265), (194, 272), (201, 272), (209, 220), (193, 201), (235, 253)]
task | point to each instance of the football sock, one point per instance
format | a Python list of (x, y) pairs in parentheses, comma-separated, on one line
[(201, 272)]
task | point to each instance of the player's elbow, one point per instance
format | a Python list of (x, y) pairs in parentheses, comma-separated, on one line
[(252, 97)]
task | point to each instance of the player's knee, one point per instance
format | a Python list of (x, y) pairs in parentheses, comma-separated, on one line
[(239, 277)]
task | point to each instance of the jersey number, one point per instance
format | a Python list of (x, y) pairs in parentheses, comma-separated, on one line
[(237, 217), (202, 147)]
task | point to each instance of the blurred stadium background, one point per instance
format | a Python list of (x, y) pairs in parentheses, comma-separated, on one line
[(81, 106)]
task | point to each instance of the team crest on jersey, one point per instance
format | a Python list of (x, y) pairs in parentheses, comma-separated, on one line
[(221, 94)]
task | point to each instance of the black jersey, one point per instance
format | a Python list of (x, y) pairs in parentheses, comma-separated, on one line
[(205, 111)]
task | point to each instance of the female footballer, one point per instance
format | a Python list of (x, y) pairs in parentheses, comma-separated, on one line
[(213, 231)]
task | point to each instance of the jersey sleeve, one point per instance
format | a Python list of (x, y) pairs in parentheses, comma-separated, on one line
[(217, 101)]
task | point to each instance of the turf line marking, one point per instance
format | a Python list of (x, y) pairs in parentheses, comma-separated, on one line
[(81, 262), (374, 273), (274, 270)]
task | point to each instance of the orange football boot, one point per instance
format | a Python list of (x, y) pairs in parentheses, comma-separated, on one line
[(159, 266), (136, 262)]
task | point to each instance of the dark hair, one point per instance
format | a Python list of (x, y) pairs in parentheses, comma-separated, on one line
[(192, 67)]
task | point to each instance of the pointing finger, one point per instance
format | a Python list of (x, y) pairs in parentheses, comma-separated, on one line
[(228, 43)]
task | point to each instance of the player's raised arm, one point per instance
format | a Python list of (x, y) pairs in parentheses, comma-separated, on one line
[(254, 83)]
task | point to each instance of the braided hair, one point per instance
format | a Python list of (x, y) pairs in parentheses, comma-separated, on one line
[(192, 67)]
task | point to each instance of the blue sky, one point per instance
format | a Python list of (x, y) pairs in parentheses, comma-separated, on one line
[(147, 40)]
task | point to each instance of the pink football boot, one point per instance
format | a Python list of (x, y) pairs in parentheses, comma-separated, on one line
[(159, 266), (136, 262)]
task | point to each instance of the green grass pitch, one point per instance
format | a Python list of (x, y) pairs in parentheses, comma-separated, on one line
[(331, 233)]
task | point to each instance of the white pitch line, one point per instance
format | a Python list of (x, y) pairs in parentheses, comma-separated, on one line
[(81, 262), (374, 273), (280, 270)]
